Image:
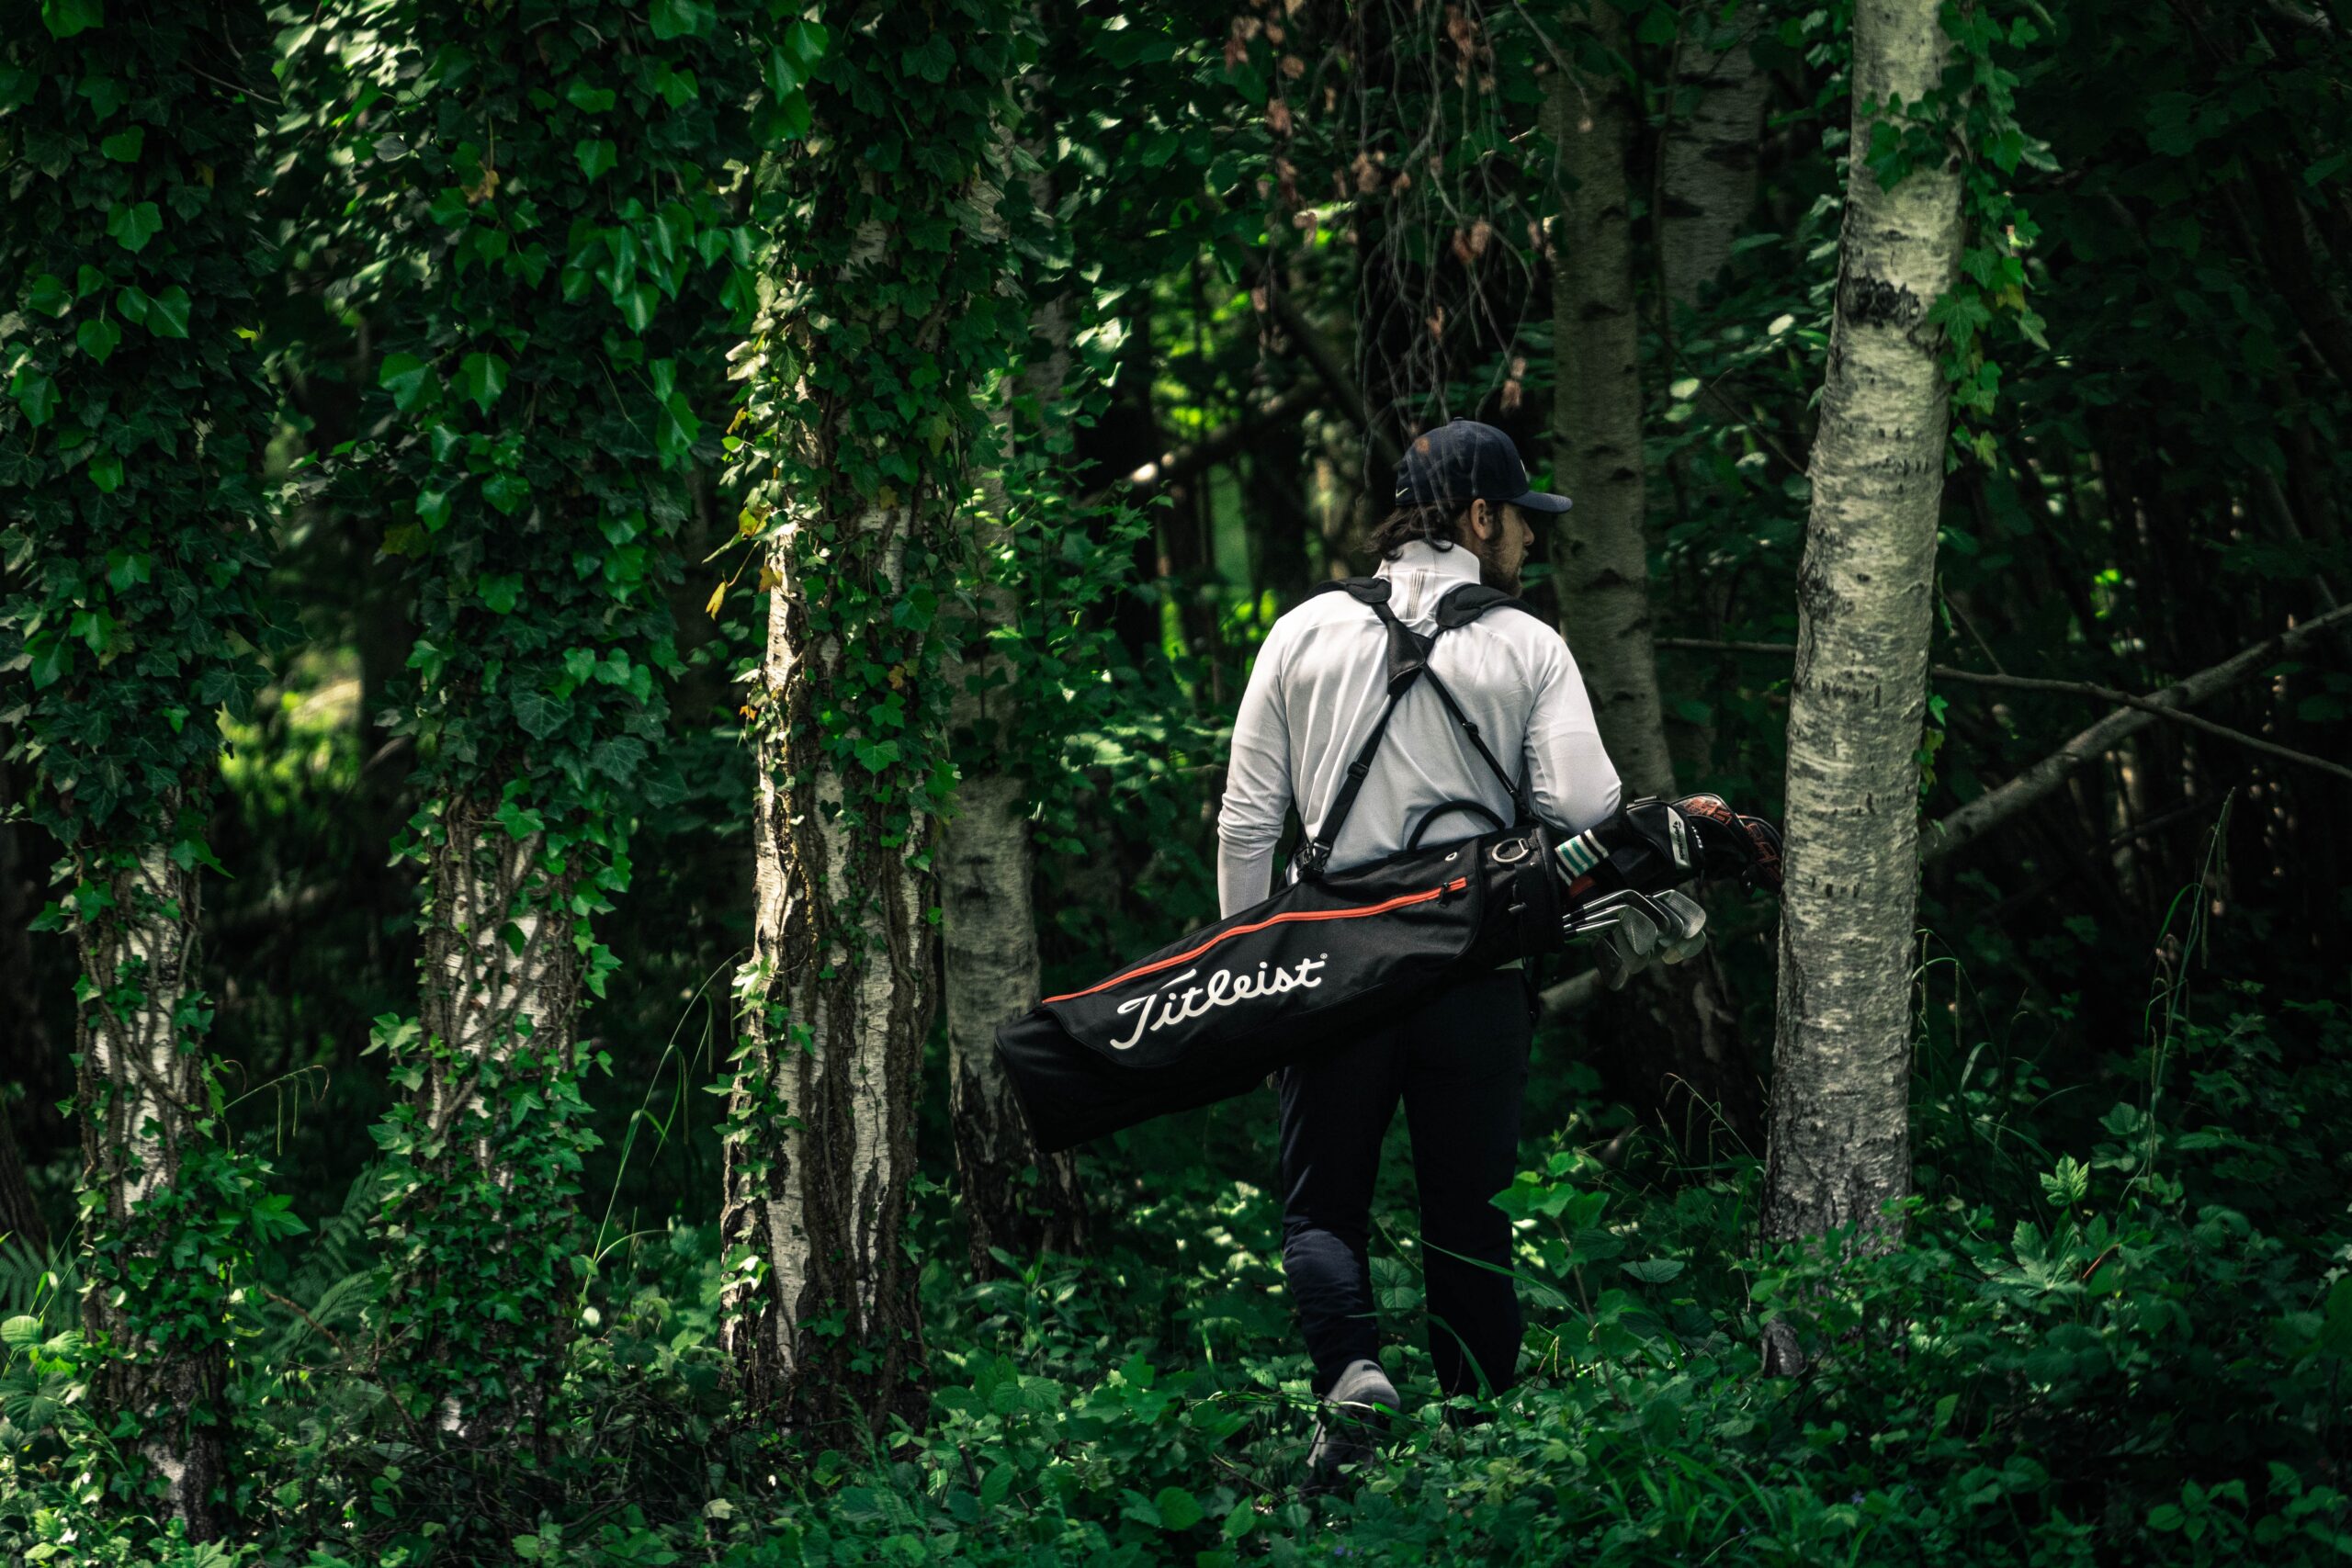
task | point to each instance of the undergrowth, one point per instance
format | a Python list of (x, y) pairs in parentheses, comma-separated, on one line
[(2122, 1339)]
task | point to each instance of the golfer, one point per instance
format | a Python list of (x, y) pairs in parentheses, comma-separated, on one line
[(1464, 514)]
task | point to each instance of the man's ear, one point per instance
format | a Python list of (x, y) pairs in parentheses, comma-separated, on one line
[(1481, 518)]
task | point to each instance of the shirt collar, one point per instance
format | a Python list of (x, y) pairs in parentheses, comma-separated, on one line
[(1457, 563)]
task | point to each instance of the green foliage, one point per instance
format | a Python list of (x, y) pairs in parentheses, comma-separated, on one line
[(544, 402)]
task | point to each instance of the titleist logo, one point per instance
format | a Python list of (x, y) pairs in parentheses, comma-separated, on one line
[(1222, 989)]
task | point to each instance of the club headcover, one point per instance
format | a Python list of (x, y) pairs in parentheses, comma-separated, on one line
[(1730, 845)]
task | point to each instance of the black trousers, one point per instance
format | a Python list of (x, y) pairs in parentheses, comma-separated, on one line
[(1459, 1062)]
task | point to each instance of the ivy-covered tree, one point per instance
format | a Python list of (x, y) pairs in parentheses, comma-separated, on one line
[(131, 442), (545, 223), (880, 320)]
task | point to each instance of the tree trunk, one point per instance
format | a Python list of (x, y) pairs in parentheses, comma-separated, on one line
[(1602, 554), (1707, 166), (1839, 1147), (838, 999), (25, 1055), (863, 368), (143, 1092), (1672, 1048), (989, 922)]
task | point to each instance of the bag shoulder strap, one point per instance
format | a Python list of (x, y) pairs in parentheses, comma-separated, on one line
[(1408, 660)]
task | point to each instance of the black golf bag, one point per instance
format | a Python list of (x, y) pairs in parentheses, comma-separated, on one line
[(1208, 1016)]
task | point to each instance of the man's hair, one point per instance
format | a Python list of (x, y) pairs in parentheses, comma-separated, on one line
[(1433, 525)]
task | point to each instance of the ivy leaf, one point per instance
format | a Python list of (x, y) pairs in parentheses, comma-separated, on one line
[(167, 312), (596, 157), (106, 472), (500, 591), (52, 660), (588, 99), (36, 394), (808, 41), (124, 146), (49, 295), (132, 225), (63, 18), (931, 60), (619, 758), (508, 492), (875, 756), (482, 377), (682, 18), (539, 714), (132, 302), (97, 338), (407, 378)]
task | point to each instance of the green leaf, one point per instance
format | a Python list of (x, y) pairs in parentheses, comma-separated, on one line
[(63, 18), (20, 1333), (52, 660), (998, 1486), (106, 472), (539, 714), (481, 376), (49, 295), (124, 146), (588, 99), (596, 157), (808, 41), (619, 758), (131, 302), (36, 394), (500, 591), (931, 60), (167, 314), (407, 378), (132, 225), (1179, 1510), (682, 18), (1654, 1270), (97, 338), (506, 491)]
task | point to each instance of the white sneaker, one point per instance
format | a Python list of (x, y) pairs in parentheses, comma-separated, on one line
[(1355, 1417)]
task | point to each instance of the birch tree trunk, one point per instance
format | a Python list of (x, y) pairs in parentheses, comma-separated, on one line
[(142, 1091), (1671, 1042), (1707, 164), (880, 319), (1839, 1142), (838, 997), (989, 926)]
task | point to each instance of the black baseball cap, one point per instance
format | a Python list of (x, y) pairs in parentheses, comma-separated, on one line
[(1465, 461)]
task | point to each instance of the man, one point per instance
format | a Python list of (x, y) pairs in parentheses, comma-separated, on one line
[(1459, 1060)]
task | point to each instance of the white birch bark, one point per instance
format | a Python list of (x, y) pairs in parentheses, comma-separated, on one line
[(141, 1091), (1840, 1147), (837, 998), (988, 868), (500, 972), (1707, 162)]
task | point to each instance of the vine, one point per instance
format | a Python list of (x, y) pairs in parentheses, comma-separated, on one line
[(130, 475), (572, 177)]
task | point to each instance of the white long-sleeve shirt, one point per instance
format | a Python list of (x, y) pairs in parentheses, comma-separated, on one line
[(1317, 688)]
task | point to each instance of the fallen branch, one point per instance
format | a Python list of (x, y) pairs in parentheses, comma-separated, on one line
[(2155, 704), (1982, 814)]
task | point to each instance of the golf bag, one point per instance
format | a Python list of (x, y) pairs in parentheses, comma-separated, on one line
[(1209, 1015)]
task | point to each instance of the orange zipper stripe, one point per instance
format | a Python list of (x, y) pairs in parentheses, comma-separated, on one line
[(1400, 901)]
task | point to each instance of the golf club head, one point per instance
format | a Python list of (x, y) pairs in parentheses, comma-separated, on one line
[(1733, 846)]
